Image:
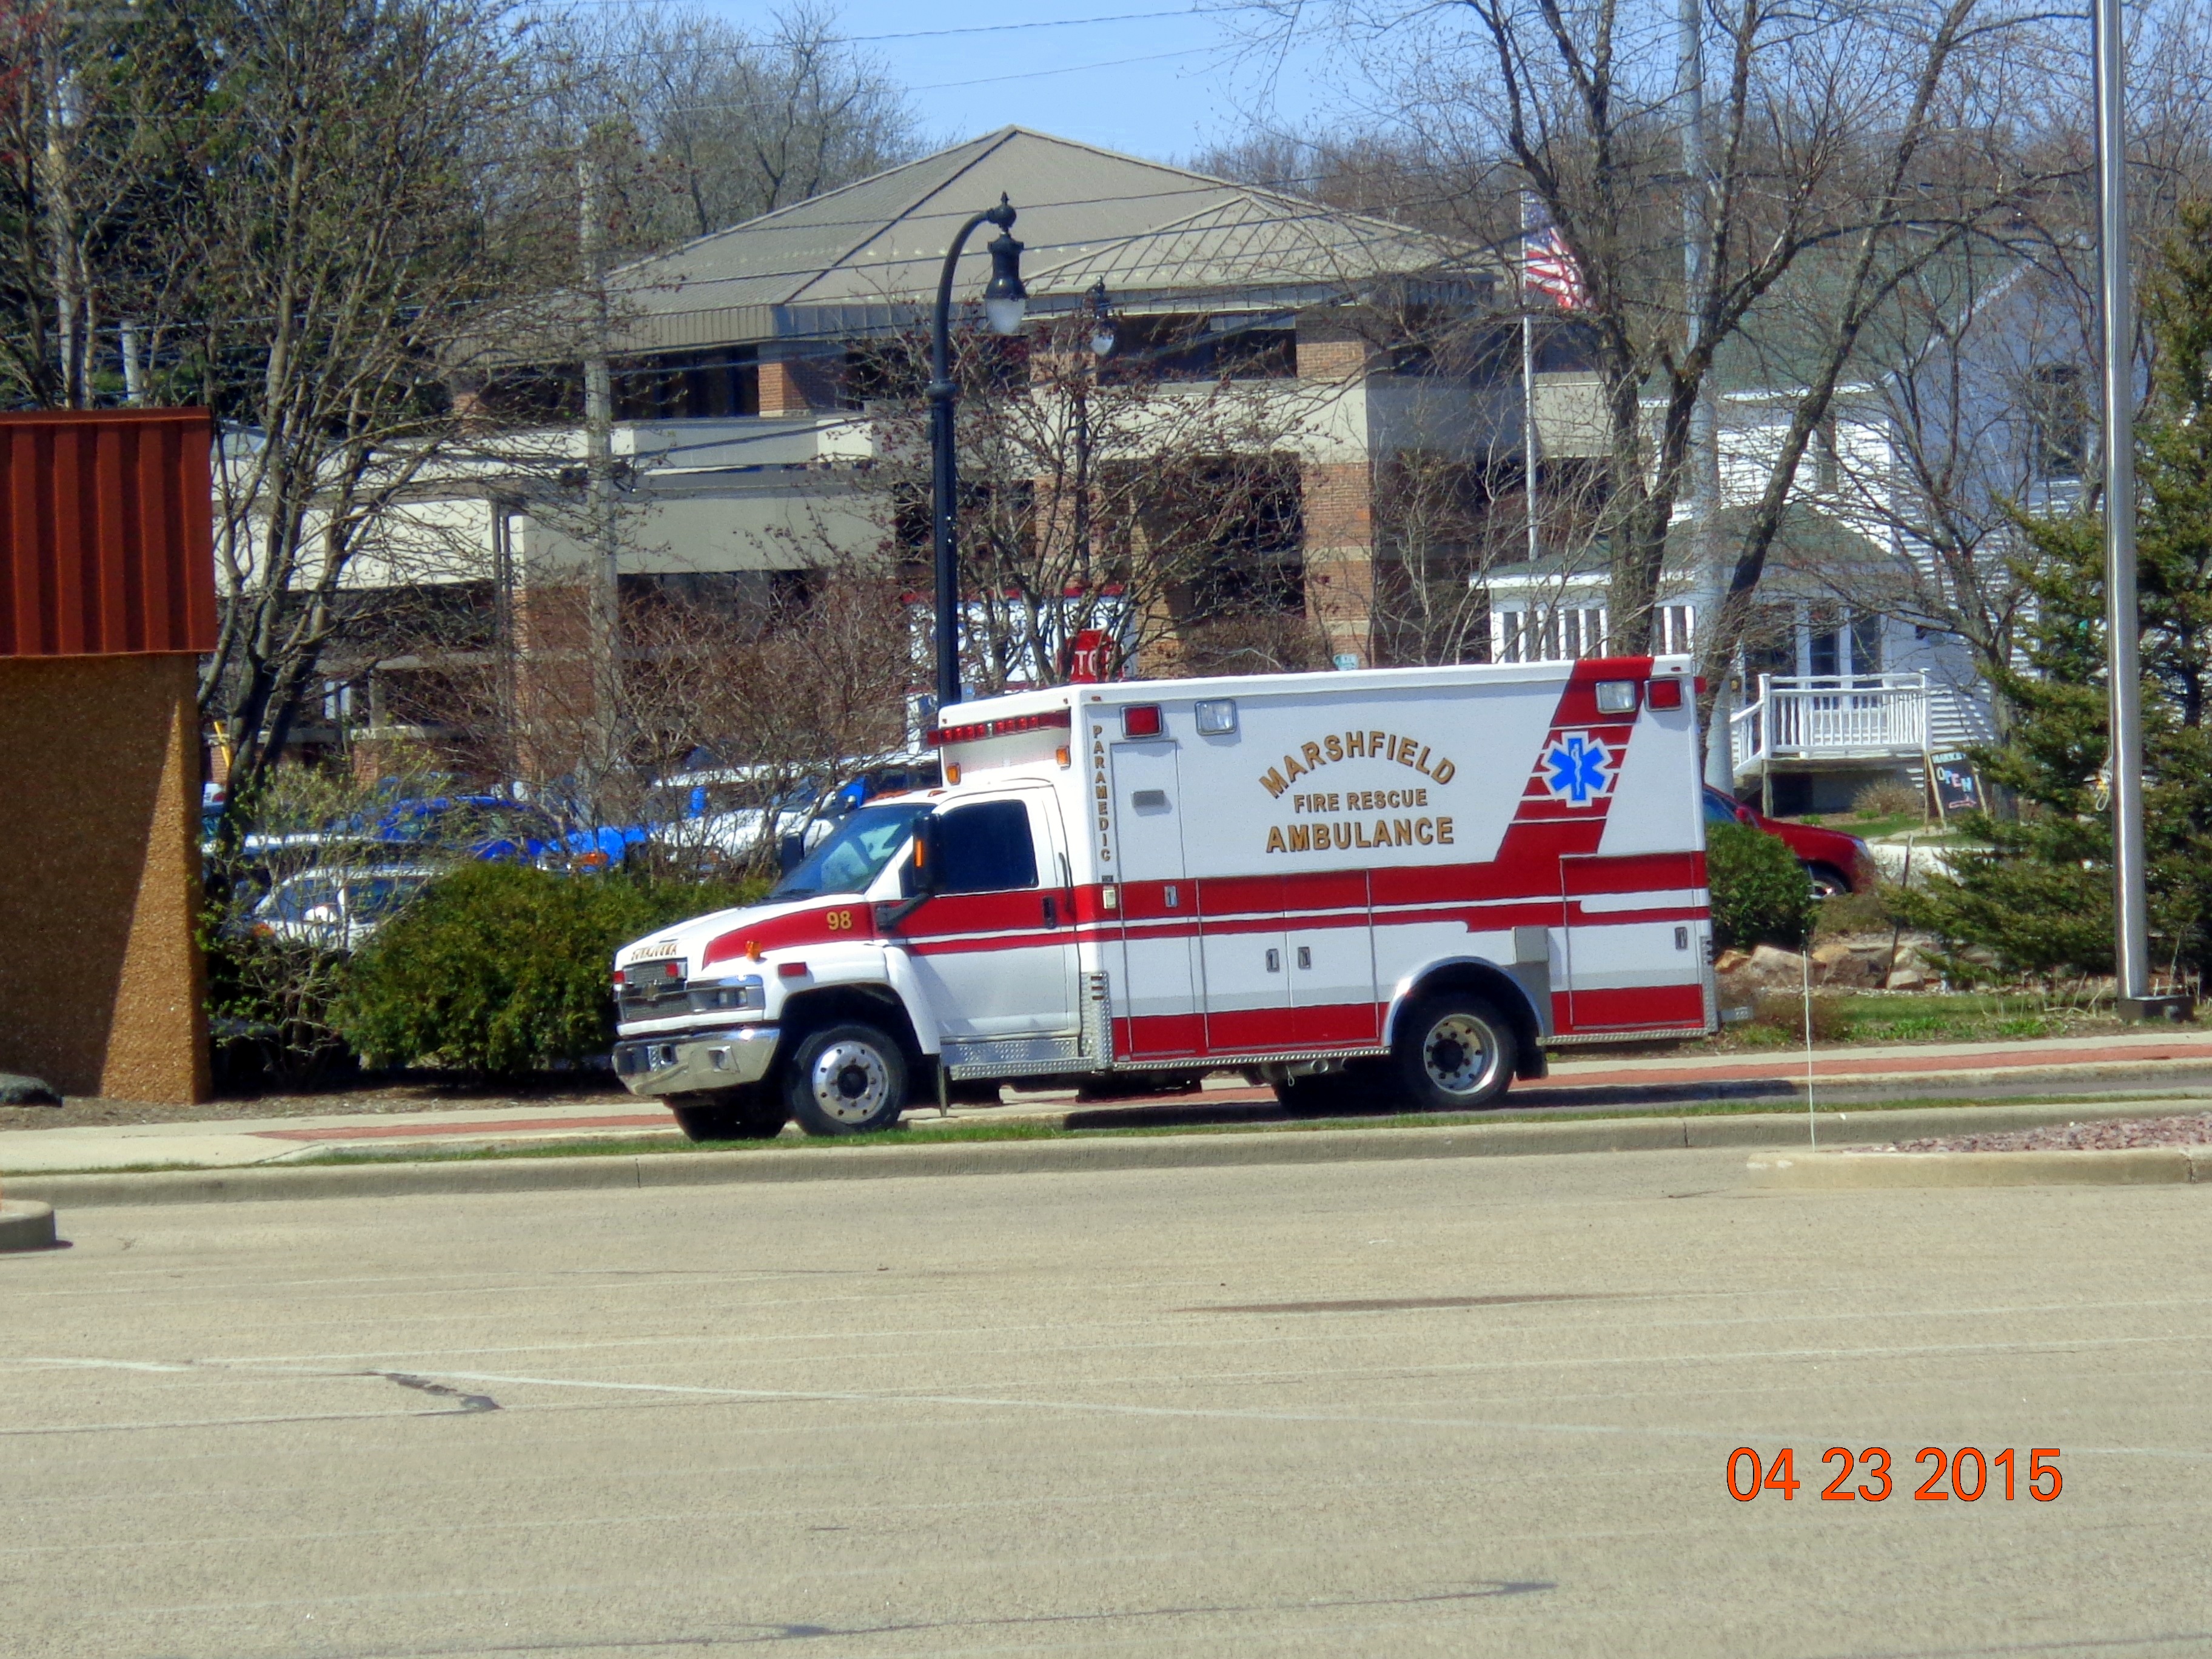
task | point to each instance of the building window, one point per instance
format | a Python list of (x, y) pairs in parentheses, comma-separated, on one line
[(1225, 348), (1677, 628), (681, 385), (2058, 423), (1866, 644)]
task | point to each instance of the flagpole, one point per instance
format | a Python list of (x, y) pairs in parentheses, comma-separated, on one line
[(1528, 395)]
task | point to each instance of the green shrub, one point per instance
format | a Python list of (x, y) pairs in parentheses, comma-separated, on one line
[(1761, 895), (501, 968)]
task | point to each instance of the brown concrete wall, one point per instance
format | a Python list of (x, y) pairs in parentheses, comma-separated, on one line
[(102, 990)]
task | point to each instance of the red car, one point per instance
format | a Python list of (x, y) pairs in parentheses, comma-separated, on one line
[(1838, 863)]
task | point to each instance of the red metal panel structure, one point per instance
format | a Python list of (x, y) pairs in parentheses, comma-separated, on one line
[(106, 541)]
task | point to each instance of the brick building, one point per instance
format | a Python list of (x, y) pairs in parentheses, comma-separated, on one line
[(749, 441)]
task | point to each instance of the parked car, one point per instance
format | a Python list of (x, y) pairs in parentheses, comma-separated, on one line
[(338, 908), (486, 826), (729, 809), (1837, 863), (725, 811)]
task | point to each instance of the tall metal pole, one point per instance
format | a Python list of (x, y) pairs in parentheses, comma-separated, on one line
[(605, 590), (944, 476), (1529, 436), (1709, 582), (2123, 624)]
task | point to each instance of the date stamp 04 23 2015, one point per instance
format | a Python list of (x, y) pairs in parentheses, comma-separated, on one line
[(1964, 1475)]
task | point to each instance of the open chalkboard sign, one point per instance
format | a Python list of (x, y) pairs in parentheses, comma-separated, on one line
[(1956, 785)]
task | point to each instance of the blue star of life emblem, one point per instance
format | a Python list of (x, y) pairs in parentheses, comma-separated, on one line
[(1578, 769)]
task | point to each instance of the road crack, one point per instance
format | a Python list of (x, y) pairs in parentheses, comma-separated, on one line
[(469, 1403)]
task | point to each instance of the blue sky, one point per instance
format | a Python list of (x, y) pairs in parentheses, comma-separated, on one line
[(1154, 85)]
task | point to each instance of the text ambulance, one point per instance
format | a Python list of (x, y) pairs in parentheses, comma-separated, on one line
[(1403, 883)]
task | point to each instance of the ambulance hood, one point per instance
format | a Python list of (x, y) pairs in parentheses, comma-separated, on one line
[(687, 940)]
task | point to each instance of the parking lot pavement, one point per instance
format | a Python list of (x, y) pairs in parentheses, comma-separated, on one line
[(1482, 1406)]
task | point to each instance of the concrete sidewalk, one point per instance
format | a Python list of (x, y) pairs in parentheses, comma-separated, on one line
[(2167, 1061)]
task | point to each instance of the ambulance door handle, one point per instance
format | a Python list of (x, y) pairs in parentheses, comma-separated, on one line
[(1274, 962), (1305, 956), (1051, 912)]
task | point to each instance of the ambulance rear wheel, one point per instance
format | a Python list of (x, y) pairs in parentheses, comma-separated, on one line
[(753, 1114), (1455, 1052), (846, 1081)]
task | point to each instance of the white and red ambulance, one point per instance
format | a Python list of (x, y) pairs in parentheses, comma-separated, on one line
[(1403, 883)]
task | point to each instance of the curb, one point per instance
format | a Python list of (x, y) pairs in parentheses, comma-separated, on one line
[(1471, 1140), (1837, 1171), (25, 1226)]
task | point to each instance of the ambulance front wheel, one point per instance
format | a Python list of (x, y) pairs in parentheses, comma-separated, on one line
[(1455, 1052), (846, 1081)]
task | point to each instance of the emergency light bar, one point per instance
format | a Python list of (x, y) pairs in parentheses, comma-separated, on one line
[(1057, 719)]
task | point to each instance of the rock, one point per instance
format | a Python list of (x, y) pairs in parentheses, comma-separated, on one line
[(16, 1089), (1775, 966), (1729, 960), (1906, 978)]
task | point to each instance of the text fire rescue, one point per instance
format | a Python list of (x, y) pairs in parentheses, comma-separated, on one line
[(1347, 835)]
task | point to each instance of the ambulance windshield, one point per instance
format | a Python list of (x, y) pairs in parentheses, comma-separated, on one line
[(852, 858)]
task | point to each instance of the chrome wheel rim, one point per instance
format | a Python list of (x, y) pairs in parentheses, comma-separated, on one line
[(849, 1082), (1457, 1054)]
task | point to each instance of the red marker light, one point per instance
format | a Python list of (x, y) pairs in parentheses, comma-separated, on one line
[(1664, 694), (1142, 719), (791, 969)]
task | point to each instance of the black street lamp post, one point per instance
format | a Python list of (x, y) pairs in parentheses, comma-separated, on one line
[(1101, 343), (1004, 303)]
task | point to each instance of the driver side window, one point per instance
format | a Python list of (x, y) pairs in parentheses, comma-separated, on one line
[(985, 848)]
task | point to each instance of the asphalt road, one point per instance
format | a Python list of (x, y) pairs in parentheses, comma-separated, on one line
[(1481, 1407)]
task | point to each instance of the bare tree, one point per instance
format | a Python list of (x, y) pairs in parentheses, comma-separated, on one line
[(704, 126), (365, 230), (1149, 500), (101, 118), (1862, 140)]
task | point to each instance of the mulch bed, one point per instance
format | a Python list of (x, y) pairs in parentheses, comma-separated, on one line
[(2117, 1135), (419, 1092)]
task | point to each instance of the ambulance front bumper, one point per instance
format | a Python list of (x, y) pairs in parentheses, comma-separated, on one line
[(693, 1062)]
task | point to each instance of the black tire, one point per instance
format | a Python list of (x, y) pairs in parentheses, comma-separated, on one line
[(1828, 882), (754, 1114), (1454, 1052), (845, 1080)]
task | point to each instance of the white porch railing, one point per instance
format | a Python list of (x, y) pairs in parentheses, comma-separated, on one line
[(1847, 717)]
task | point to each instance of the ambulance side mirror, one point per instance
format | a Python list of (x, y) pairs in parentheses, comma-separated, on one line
[(917, 879)]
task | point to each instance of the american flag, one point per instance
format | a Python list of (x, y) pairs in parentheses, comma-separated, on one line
[(1547, 267)]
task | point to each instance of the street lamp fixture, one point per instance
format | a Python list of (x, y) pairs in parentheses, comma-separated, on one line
[(1101, 321), (1006, 303)]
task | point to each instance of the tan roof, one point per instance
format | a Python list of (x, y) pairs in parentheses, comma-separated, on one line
[(867, 254)]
